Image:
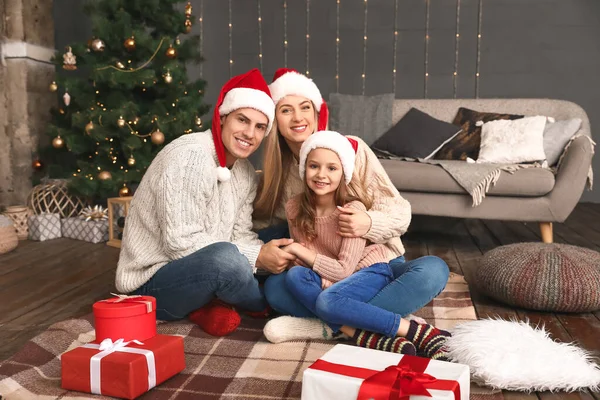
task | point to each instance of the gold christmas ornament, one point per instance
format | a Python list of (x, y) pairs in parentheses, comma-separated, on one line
[(98, 45), (124, 191), (58, 142), (129, 44), (37, 165), (89, 127), (69, 60), (171, 52), (157, 137), (121, 122), (188, 26), (104, 175), (94, 214), (120, 65), (131, 161), (188, 10), (168, 77), (67, 99), (53, 87), (60, 110), (198, 121), (177, 41)]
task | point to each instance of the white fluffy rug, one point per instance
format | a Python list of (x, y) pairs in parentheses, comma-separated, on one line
[(516, 356)]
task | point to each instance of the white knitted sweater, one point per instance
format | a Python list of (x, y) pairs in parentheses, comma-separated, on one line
[(181, 207)]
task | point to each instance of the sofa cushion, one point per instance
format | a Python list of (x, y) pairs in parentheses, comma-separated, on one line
[(467, 142), (416, 135), (556, 137), (542, 276), (412, 176)]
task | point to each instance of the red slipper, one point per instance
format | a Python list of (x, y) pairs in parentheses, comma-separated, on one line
[(216, 318)]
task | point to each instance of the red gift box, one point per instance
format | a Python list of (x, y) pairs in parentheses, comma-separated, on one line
[(125, 317), (122, 369)]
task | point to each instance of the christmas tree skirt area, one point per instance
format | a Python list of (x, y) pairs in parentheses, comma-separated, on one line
[(242, 365)]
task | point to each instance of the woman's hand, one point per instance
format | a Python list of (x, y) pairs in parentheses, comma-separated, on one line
[(353, 223), (325, 283)]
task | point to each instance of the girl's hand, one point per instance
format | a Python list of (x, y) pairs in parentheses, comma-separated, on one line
[(325, 283), (353, 223)]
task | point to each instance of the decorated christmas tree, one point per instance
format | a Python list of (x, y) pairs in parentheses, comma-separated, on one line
[(123, 94)]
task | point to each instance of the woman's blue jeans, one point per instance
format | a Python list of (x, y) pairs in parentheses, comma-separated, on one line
[(218, 270), (345, 302)]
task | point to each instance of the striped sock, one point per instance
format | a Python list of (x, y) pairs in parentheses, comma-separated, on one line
[(376, 341), (429, 340)]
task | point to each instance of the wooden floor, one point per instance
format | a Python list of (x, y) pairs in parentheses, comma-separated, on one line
[(42, 283)]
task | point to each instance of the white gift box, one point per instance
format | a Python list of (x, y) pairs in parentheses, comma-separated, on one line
[(44, 227), (80, 229), (320, 384)]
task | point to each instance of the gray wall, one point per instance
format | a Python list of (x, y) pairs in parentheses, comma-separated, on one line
[(529, 48)]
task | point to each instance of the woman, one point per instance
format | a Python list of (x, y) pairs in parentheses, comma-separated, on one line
[(300, 111)]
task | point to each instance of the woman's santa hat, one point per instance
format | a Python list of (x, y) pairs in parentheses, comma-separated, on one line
[(290, 82), (334, 141), (249, 90)]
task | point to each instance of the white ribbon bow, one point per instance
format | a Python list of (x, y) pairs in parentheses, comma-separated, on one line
[(106, 347), (124, 297)]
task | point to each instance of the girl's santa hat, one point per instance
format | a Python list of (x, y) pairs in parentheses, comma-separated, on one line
[(334, 141), (249, 90), (290, 82)]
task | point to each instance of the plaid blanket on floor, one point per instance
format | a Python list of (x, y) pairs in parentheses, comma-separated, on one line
[(243, 365)]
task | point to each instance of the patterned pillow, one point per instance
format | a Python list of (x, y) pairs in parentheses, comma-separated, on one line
[(467, 142)]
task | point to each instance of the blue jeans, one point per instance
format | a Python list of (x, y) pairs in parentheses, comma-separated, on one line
[(218, 270), (415, 284), (345, 302)]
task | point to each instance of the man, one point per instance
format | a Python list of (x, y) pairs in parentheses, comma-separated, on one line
[(188, 237)]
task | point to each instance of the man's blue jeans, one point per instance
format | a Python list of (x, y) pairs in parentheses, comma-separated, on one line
[(345, 302), (415, 284), (218, 270)]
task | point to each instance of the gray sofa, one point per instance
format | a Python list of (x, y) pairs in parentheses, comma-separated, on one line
[(532, 194)]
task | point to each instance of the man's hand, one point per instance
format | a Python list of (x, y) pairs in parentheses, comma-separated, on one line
[(274, 259), (353, 222)]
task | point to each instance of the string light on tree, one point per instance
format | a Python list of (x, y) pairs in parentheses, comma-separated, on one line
[(121, 122), (364, 73), (337, 46), (37, 165), (427, 4), (455, 74), (230, 41), (260, 46), (89, 127), (285, 41), (307, 35), (120, 65), (131, 161), (477, 75), (168, 77), (395, 45)]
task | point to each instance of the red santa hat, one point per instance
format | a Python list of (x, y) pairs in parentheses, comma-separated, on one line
[(288, 81), (249, 90), (334, 141)]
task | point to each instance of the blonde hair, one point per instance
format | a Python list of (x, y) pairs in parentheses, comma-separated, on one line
[(278, 158)]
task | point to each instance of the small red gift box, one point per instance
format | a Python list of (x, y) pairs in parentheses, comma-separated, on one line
[(125, 317), (122, 369)]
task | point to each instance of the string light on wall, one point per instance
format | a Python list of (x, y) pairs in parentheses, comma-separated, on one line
[(201, 23), (456, 42), (395, 44), (285, 41), (260, 44), (477, 74), (337, 46), (230, 42), (307, 35), (364, 71), (426, 47)]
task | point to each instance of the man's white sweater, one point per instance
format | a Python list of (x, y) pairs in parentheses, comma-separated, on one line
[(180, 207)]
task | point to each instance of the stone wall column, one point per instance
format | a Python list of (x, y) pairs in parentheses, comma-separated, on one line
[(27, 34)]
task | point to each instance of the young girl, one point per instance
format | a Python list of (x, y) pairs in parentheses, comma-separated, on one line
[(337, 276)]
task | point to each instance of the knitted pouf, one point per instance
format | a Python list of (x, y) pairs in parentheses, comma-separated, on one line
[(542, 276)]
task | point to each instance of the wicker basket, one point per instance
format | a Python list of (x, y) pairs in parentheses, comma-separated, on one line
[(8, 235), (19, 216), (53, 197)]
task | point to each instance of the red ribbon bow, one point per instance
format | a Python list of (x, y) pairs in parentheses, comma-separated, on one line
[(396, 382)]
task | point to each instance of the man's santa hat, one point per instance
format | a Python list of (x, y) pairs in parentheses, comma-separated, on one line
[(334, 141), (290, 82), (249, 90)]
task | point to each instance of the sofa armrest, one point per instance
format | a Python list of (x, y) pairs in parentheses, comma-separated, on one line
[(571, 178)]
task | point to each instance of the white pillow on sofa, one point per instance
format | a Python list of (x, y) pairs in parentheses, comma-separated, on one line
[(512, 142)]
